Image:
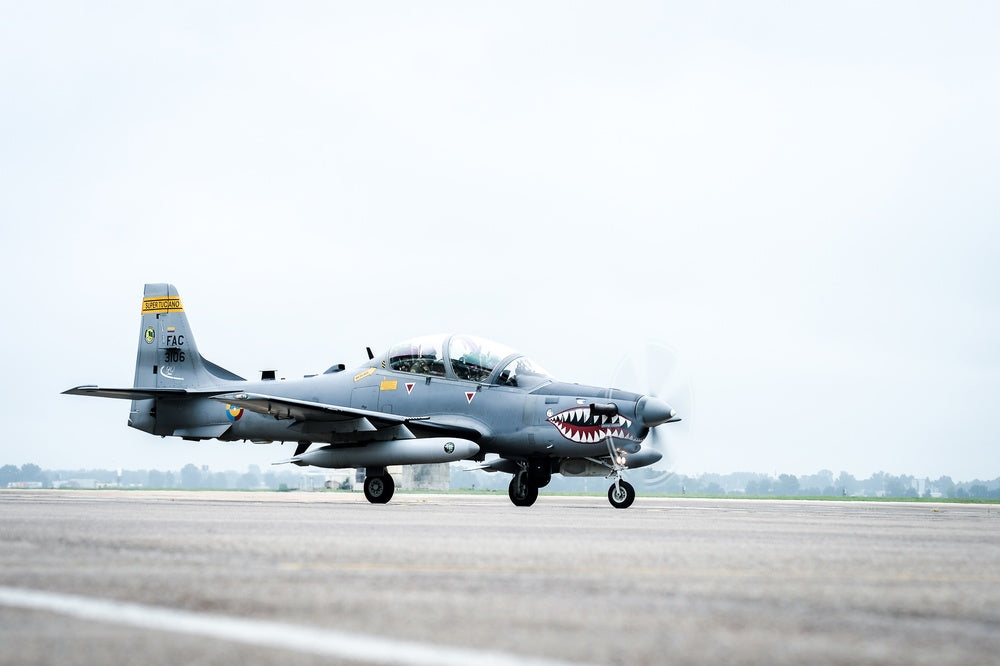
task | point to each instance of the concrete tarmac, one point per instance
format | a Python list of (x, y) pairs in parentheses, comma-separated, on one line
[(99, 577)]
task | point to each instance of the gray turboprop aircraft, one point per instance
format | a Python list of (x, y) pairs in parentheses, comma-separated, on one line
[(435, 399)]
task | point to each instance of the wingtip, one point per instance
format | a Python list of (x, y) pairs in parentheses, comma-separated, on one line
[(78, 390)]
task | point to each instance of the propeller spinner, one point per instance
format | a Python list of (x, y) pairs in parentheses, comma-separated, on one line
[(652, 411)]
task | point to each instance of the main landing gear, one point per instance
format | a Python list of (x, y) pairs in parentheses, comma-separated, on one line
[(534, 473), (521, 491), (379, 485)]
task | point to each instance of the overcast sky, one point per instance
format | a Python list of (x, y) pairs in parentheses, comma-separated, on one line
[(800, 199)]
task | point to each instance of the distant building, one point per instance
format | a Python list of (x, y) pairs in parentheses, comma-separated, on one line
[(426, 477), (75, 483), (331, 480)]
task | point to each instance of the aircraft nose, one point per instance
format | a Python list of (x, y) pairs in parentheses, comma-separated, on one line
[(652, 411)]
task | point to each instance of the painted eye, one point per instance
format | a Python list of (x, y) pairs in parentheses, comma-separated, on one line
[(548, 414)]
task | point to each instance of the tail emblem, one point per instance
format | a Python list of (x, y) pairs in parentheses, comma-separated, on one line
[(233, 413), (150, 335)]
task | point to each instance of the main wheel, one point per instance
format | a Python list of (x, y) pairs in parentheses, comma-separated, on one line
[(621, 495), (379, 489), (521, 492)]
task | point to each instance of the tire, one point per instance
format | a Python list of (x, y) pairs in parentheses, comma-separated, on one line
[(621, 495), (379, 489), (521, 492)]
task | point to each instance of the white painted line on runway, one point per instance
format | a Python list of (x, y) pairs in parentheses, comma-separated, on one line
[(276, 635)]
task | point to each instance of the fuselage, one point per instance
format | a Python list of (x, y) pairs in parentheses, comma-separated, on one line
[(534, 416)]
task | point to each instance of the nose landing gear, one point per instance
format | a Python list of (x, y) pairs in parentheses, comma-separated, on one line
[(621, 494)]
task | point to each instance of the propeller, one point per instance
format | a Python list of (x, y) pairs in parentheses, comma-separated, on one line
[(655, 370)]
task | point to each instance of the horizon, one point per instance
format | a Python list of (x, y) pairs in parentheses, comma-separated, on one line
[(457, 466)]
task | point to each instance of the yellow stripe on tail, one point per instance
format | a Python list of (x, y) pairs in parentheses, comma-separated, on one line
[(160, 305)]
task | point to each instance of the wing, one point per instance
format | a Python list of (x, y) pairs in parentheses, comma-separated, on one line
[(305, 411), (349, 424)]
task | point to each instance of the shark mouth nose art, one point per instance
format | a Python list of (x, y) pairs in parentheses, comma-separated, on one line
[(580, 425)]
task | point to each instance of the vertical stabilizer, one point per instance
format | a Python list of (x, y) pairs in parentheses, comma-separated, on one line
[(168, 356)]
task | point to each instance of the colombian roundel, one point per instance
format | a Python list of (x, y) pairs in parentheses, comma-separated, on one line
[(233, 413)]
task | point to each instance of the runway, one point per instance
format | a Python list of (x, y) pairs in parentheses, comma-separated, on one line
[(96, 577)]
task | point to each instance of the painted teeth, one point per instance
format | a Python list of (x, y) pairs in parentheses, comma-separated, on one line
[(582, 418), (580, 426), (591, 436)]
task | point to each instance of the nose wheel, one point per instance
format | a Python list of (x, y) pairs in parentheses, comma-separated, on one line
[(621, 494)]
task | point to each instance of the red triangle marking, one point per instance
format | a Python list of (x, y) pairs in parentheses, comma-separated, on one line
[(409, 387), (469, 395)]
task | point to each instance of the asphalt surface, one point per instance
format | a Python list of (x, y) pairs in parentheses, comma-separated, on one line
[(101, 577)]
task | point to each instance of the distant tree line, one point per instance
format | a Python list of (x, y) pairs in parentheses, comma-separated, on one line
[(189, 476), (822, 484), (743, 484), (825, 484), (28, 473)]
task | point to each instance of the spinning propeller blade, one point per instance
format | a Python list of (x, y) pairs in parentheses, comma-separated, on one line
[(667, 406)]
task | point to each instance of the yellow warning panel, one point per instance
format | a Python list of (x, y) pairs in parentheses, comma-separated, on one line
[(388, 385)]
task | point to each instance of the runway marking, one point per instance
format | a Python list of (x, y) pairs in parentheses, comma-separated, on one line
[(276, 635)]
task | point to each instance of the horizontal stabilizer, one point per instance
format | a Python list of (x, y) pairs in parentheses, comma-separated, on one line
[(128, 393)]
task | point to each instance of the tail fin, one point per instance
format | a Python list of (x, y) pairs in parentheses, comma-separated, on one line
[(172, 380), (168, 356)]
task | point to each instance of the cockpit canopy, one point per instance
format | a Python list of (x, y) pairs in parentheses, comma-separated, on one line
[(465, 357)]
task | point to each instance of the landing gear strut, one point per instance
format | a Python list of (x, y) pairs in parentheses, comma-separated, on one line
[(379, 485), (621, 494), (522, 492)]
